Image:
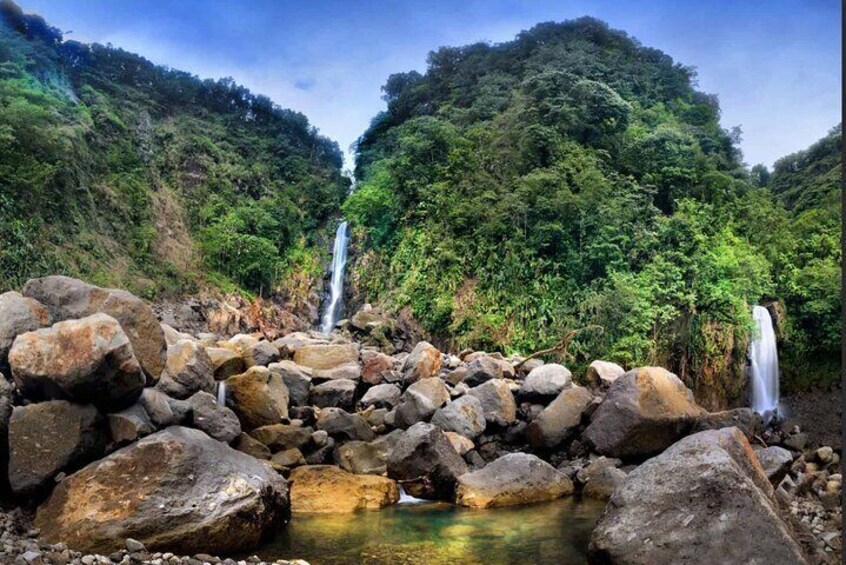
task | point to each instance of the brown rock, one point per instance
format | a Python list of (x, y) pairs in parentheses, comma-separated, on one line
[(328, 489), (189, 370), (374, 364), (516, 478), (258, 397), (424, 362)]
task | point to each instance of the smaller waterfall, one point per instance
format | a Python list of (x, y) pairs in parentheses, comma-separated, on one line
[(763, 364), (221, 393), (336, 285)]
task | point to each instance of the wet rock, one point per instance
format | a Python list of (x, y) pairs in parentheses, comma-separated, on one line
[(419, 402), (296, 378), (217, 421), (86, 361), (338, 393), (516, 478), (744, 419), (464, 416), (50, 437), (280, 437), (676, 499), (776, 462), (381, 396), (603, 373), (181, 491), (545, 383), (258, 397), (644, 412), (482, 370), (560, 420), (189, 369), (497, 401), (328, 489), (423, 362), (66, 298), (425, 463), (343, 426), (18, 315), (129, 425)]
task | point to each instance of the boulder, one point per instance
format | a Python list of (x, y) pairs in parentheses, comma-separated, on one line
[(18, 315), (280, 437), (157, 406), (296, 378), (51, 437), (744, 419), (289, 458), (129, 425), (66, 298), (326, 356), (172, 335), (177, 490), (261, 354), (516, 478), (250, 446), (644, 412), (560, 419), (545, 383), (217, 421), (600, 481), (497, 401), (258, 397), (419, 402), (481, 370), (338, 393), (189, 369), (225, 362), (343, 426), (464, 416), (423, 362), (776, 462), (87, 361), (381, 396), (603, 373), (668, 508), (373, 364), (425, 463), (367, 457), (328, 489), (460, 443)]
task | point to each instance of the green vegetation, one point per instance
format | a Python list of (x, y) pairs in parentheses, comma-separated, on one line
[(144, 177), (573, 177)]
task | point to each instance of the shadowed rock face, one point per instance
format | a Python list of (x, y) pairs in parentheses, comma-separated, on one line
[(425, 463), (704, 500), (177, 490), (88, 361)]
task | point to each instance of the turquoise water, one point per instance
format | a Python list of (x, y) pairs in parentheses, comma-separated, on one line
[(555, 532)]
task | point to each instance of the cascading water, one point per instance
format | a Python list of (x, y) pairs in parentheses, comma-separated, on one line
[(221, 393), (336, 286), (763, 364)]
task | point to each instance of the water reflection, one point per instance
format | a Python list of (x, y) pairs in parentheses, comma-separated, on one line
[(556, 532)]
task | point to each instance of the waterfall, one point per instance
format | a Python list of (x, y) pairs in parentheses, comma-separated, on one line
[(763, 364), (336, 286), (221, 393)]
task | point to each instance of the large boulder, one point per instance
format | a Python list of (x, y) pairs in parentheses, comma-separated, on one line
[(744, 419), (50, 437), (545, 383), (281, 437), (644, 412), (423, 362), (328, 489), (18, 315), (497, 401), (367, 457), (87, 361), (177, 490), (296, 378), (217, 421), (776, 462), (603, 373), (189, 369), (225, 362), (381, 396), (481, 370), (330, 361), (338, 393), (262, 353), (425, 463), (464, 416), (67, 298), (157, 406), (704, 500), (343, 426), (373, 364), (419, 402), (560, 419), (258, 397), (516, 478)]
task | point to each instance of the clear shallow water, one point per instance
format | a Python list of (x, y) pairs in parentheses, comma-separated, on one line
[(556, 532)]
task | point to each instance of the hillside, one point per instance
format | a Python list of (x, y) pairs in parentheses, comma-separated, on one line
[(148, 178), (575, 179)]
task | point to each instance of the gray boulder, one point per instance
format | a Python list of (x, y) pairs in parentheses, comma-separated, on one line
[(425, 463), (189, 369), (776, 462), (481, 370), (545, 383), (261, 354), (516, 478), (367, 457), (343, 426), (744, 419), (219, 422), (419, 402), (464, 416), (157, 406), (338, 393), (18, 315), (129, 425), (560, 419), (296, 378), (497, 401), (603, 373), (381, 396), (51, 437), (668, 508)]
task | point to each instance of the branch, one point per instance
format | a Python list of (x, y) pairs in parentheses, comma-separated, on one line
[(561, 346)]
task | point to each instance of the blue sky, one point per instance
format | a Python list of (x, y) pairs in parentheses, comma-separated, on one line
[(776, 65)]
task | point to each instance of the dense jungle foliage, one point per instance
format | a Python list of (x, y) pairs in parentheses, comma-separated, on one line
[(148, 178), (573, 178)]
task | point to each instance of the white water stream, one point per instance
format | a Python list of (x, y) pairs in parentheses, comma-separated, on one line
[(763, 364), (336, 286)]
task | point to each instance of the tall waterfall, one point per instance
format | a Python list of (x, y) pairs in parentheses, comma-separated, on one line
[(763, 368), (336, 286)]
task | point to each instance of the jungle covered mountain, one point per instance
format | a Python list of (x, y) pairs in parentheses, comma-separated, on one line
[(574, 179), (144, 177)]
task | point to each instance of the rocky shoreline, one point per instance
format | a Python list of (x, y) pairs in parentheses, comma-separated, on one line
[(117, 427)]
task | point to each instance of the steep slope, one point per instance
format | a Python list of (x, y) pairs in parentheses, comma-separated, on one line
[(148, 178), (571, 178)]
